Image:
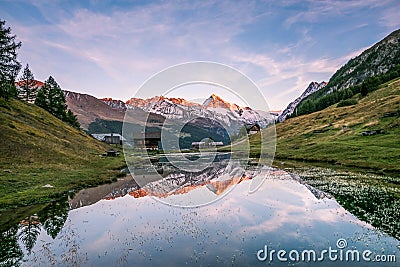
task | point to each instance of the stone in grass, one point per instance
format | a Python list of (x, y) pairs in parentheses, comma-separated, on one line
[(48, 186)]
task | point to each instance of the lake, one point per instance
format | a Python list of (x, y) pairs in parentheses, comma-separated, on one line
[(214, 217)]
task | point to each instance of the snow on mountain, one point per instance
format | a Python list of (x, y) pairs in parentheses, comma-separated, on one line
[(113, 103), (214, 110), (147, 103), (219, 177), (312, 88), (230, 115), (215, 101)]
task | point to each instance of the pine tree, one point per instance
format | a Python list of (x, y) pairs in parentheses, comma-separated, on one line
[(56, 100), (72, 120), (53, 217), (29, 232), (9, 66), (10, 251), (51, 98), (42, 98), (27, 86), (364, 89)]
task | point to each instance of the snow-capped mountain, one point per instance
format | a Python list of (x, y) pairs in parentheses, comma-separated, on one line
[(146, 103), (215, 101), (212, 112), (117, 104), (214, 107), (312, 88), (217, 178)]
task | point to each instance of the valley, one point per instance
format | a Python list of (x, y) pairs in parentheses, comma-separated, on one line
[(165, 181)]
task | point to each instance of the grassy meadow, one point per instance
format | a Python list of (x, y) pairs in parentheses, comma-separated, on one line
[(334, 135), (38, 149), (361, 172)]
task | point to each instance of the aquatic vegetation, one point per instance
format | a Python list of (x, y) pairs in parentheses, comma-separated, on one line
[(372, 198)]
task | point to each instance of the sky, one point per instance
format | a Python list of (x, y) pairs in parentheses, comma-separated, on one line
[(110, 48)]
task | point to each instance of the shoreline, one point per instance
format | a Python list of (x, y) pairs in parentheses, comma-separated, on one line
[(334, 165)]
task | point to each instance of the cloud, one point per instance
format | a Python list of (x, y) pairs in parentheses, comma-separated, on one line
[(131, 45), (331, 8), (286, 77), (98, 49), (278, 70)]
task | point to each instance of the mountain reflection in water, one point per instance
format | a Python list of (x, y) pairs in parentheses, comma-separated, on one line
[(128, 227), (164, 180)]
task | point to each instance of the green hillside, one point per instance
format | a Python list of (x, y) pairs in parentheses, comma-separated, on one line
[(376, 60), (362, 74), (38, 149), (335, 134)]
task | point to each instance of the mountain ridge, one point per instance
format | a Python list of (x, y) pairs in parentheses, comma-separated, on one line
[(230, 115), (215, 101), (377, 59), (312, 88), (363, 135), (89, 109), (374, 66)]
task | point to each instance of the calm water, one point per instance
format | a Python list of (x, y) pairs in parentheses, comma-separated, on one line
[(130, 228)]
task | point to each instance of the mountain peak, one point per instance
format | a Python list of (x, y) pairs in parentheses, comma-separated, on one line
[(312, 88), (114, 103), (36, 83), (139, 102), (214, 96), (214, 101)]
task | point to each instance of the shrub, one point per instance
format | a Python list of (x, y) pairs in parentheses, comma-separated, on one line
[(347, 102)]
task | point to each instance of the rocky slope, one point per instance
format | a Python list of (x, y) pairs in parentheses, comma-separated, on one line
[(88, 108), (312, 88), (362, 74), (231, 116), (364, 135), (376, 60), (215, 108)]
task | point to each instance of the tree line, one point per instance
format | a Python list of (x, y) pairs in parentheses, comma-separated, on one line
[(49, 96), (313, 103)]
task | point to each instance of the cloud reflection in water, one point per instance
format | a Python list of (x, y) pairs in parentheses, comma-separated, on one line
[(283, 214)]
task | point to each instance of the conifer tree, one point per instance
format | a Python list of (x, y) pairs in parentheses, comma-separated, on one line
[(72, 120), (42, 98), (9, 66), (364, 89), (51, 98), (27, 86), (56, 100)]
